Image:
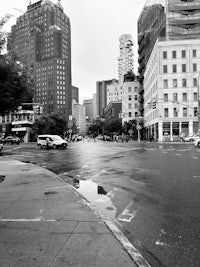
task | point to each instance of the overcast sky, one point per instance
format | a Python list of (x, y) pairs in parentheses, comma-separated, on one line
[(96, 26)]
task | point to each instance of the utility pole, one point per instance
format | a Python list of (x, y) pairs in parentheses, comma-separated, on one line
[(198, 105)]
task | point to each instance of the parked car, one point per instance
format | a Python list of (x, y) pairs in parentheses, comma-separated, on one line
[(11, 140), (197, 142), (191, 138), (1, 147), (54, 141)]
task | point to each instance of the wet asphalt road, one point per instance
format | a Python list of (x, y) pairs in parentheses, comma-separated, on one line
[(152, 191)]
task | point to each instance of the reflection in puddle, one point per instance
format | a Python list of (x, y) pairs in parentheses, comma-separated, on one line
[(96, 195)]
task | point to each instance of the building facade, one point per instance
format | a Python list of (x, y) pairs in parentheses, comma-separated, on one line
[(19, 123), (112, 111), (90, 106), (114, 92), (75, 94), (79, 116), (171, 87), (41, 38), (125, 59), (130, 101), (101, 96)]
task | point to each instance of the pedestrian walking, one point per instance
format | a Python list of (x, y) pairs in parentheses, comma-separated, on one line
[(47, 143)]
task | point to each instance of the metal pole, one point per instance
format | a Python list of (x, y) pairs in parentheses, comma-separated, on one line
[(198, 106)]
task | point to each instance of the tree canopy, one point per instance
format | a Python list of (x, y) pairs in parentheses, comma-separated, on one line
[(51, 124), (14, 85)]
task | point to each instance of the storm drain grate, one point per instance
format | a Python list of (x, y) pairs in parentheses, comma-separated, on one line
[(2, 178)]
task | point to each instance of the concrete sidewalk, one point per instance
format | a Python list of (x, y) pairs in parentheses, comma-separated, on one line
[(46, 222)]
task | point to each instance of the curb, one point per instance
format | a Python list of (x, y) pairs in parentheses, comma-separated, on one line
[(135, 255)]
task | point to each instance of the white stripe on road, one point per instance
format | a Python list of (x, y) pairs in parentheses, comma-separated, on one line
[(127, 215), (58, 187), (39, 219)]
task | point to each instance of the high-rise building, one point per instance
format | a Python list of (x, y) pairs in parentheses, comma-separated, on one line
[(101, 96), (169, 49), (125, 59), (41, 38)]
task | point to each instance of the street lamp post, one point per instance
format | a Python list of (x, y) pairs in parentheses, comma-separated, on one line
[(198, 106)]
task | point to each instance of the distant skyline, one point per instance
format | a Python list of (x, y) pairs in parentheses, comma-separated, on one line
[(96, 26)]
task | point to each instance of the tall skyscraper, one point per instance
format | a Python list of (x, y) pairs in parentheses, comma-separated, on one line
[(41, 38), (125, 59)]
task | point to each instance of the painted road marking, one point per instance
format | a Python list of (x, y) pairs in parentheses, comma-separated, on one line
[(39, 219), (128, 213), (57, 187)]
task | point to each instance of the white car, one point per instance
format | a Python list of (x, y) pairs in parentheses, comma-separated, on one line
[(191, 138), (54, 141), (197, 142)]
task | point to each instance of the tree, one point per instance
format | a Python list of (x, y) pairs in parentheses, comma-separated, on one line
[(51, 124), (14, 84)]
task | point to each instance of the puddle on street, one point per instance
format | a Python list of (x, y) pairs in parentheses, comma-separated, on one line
[(96, 195)]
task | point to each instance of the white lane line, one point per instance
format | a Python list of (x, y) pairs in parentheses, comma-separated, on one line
[(128, 213), (195, 157), (178, 154), (39, 219)]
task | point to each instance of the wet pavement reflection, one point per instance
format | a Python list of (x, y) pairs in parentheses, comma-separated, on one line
[(151, 190)]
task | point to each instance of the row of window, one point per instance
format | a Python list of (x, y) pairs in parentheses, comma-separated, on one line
[(175, 112), (183, 68), (175, 83), (184, 97), (174, 54)]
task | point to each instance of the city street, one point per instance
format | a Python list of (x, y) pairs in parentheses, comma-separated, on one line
[(150, 190)]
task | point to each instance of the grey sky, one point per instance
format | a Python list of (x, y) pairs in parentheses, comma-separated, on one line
[(96, 26)]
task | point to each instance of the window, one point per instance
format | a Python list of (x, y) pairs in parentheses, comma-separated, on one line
[(136, 97), (195, 97), (184, 82), (165, 83), (184, 97), (164, 54), (164, 68), (166, 112), (175, 97), (195, 111), (129, 97), (129, 89), (129, 106), (165, 97), (174, 69), (184, 112), (194, 67), (175, 112), (183, 53), (136, 105), (194, 82), (174, 82), (129, 114), (194, 52), (173, 54), (136, 89), (183, 67)]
